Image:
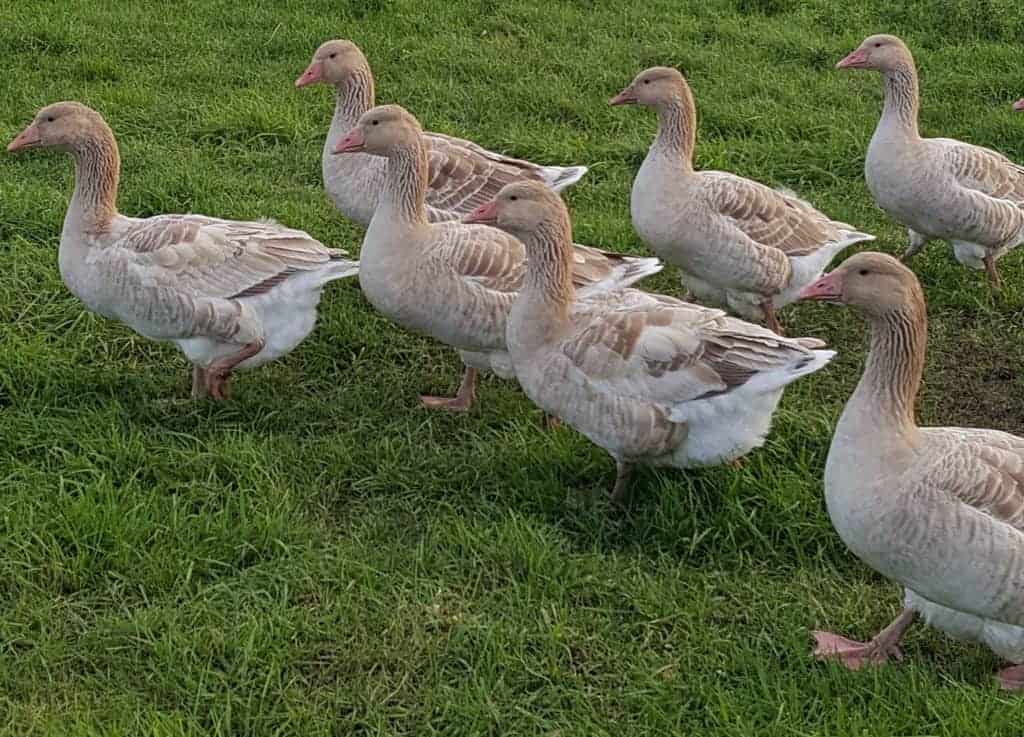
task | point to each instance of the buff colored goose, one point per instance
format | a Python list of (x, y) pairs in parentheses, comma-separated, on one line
[(971, 196), (738, 243), (452, 281), (1019, 105), (462, 174), (230, 294), (648, 378), (939, 510)]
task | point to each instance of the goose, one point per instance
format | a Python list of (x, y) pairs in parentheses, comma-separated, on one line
[(462, 174), (738, 243), (649, 378), (938, 510), (231, 295), (938, 188), (1019, 105), (449, 280)]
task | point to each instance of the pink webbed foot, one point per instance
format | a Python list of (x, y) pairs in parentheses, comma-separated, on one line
[(462, 401), (452, 404), (1012, 678), (852, 654)]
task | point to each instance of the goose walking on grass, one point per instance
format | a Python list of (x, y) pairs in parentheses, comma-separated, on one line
[(938, 510), (738, 243), (452, 281), (938, 188), (648, 378), (231, 295), (461, 175)]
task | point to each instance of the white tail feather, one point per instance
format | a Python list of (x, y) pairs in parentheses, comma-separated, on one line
[(560, 177), (630, 271)]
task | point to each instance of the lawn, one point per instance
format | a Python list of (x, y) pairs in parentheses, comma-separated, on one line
[(322, 556)]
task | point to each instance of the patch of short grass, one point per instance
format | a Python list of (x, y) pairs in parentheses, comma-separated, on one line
[(319, 556)]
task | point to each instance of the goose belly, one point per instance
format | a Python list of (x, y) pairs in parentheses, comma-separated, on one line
[(921, 196), (724, 428), (1005, 640), (704, 292), (627, 428), (287, 315), (497, 361), (431, 304)]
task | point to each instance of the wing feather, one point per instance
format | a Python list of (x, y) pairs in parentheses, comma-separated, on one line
[(206, 257)]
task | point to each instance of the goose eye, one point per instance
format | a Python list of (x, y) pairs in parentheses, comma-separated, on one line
[(513, 198), (332, 55), (647, 81), (863, 272), (49, 118), (374, 122), (878, 45)]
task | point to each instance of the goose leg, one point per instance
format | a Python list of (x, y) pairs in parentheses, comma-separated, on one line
[(199, 390), (991, 272), (1012, 678), (620, 492), (855, 655), (462, 401), (771, 321), (917, 242), (218, 373), (551, 422)]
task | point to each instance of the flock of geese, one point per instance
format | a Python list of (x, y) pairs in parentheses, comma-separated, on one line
[(475, 249)]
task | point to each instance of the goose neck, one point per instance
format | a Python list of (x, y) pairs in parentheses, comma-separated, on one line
[(352, 98), (97, 170), (886, 395), (677, 129), (402, 198), (901, 99)]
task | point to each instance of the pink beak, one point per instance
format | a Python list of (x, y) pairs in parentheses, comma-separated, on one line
[(486, 214), (353, 142), (314, 73), (626, 97), (26, 139), (827, 288), (1019, 105), (853, 60)]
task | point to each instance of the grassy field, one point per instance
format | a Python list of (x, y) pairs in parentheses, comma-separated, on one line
[(321, 556)]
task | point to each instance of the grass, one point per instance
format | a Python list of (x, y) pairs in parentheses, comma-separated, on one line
[(320, 556)]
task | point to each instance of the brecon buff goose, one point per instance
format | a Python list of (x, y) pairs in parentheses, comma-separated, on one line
[(1019, 105), (939, 510), (738, 243), (230, 294), (452, 281), (648, 378), (462, 174), (936, 187)]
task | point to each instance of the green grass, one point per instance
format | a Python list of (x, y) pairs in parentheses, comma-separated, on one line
[(320, 556)]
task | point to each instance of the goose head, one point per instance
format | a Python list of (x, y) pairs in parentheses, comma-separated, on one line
[(881, 52), (873, 283), (333, 63), (522, 208), (63, 125), (381, 131), (652, 87)]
